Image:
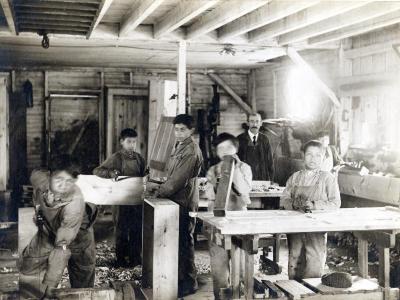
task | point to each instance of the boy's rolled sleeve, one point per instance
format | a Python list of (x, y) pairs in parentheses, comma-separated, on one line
[(286, 199), (106, 168), (333, 193)]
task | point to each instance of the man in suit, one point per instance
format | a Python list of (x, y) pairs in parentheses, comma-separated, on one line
[(255, 150)]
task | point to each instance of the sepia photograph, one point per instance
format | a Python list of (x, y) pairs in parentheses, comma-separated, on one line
[(199, 149)]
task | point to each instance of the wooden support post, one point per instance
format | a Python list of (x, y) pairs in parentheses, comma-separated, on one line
[(277, 247), (252, 91), (48, 129), (231, 92), (4, 134), (110, 123), (274, 82), (46, 118), (235, 271), (298, 60), (189, 92), (363, 258), (101, 119), (13, 82), (248, 274), (384, 271), (181, 78)]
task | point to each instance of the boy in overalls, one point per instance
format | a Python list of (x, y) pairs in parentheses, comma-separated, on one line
[(308, 190), (65, 237)]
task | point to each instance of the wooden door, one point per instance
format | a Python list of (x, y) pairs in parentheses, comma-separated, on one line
[(128, 108)]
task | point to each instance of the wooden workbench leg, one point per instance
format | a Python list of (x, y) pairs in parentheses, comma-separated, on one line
[(248, 275), (384, 271), (277, 247), (235, 271), (363, 258)]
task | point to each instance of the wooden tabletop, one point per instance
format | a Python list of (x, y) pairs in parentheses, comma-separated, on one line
[(286, 221), (267, 194)]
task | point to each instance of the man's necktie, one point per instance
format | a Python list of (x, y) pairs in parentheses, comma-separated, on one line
[(254, 140)]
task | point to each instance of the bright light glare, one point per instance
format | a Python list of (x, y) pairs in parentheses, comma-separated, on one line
[(302, 97)]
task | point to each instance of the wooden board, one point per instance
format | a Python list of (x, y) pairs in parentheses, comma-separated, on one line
[(377, 188), (160, 249), (294, 289), (162, 147), (281, 221), (359, 285), (224, 186), (101, 191)]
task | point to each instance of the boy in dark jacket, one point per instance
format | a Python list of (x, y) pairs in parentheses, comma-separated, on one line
[(181, 187), (127, 219), (65, 237)]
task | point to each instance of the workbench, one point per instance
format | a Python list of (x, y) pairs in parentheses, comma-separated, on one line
[(243, 230)]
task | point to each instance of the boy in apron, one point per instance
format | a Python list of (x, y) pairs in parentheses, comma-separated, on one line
[(308, 190)]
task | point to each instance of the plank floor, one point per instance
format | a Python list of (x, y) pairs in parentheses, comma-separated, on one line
[(28, 283)]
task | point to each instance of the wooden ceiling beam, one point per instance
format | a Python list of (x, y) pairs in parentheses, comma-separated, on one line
[(38, 16), (305, 17), (103, 7), (8, 13), (63, 12), (266, 14), (58, 31), (138, 14), (373, 24), (181, 14), (222, 14), (55, 23), (47, 28), (57, 5), (91, 2), (369, 11)]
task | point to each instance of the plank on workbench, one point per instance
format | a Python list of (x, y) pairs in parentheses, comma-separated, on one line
[(344, 219), (359, 285), (295, 289), (101, 191)]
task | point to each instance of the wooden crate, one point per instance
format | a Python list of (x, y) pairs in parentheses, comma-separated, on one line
[(160, 249)]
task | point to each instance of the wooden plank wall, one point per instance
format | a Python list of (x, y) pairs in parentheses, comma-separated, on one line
[(366, 68), (231, 115), (35, 116), (369, 73), (89, 78)]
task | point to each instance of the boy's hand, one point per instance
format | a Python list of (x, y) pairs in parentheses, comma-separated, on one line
[(152, 186), (114, 174)]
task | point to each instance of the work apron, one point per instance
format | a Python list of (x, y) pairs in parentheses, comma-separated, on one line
[(307, 251)]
